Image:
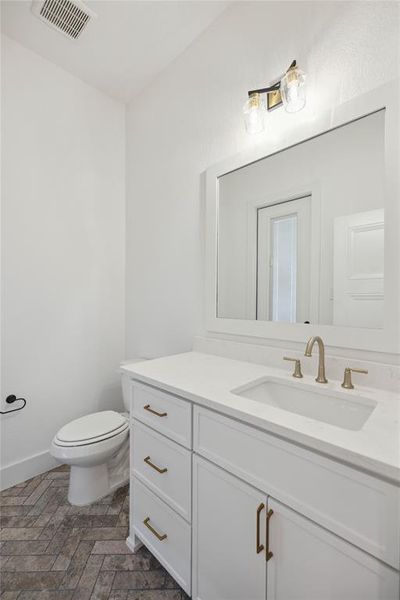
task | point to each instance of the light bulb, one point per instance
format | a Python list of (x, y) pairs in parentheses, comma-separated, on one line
[(293, 90), (253, 114)]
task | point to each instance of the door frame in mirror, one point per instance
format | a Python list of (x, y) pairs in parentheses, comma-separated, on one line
[(385, 97)]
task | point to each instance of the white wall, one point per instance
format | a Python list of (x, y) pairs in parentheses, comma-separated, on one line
[(63, 167), (190, 118)]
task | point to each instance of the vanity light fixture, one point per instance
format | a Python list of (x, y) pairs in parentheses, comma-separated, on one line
[(288, 91), (254, 113), (293, 89)]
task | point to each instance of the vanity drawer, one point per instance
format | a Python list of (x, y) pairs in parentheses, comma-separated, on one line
[(358, 507), (174, 550), (164, 466), (164, 412)]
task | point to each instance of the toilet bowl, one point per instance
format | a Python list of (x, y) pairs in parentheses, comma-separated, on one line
[(96, 447)]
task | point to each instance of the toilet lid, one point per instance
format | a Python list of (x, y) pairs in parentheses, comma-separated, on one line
[(92, 426)]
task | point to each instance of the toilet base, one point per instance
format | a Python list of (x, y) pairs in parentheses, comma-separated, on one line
[(89, 484)]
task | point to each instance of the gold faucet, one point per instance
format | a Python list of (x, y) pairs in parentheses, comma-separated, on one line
[(347, 382), (321, 362)]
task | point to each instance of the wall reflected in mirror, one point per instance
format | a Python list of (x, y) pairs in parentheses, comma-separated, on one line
[(301, 232)]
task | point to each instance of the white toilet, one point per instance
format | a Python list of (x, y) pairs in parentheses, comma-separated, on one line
[(97, 448)]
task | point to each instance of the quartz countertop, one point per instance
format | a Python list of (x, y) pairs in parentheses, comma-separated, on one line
[(208, 381)]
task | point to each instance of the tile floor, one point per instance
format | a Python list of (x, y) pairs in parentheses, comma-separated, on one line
[(50, 550)]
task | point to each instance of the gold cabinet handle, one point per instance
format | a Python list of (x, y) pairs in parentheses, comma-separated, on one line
[(259, 547), (159, 536), (154, 412), (268, 553), (147, 460)]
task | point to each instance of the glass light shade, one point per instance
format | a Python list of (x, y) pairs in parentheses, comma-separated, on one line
[(293, 90), (253, 114)]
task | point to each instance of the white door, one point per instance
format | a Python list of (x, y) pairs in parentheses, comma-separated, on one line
[(283, 261), (310, 563), (358, 283), (228, 517)]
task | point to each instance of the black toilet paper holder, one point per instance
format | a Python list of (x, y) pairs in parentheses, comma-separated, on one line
[(10, 400)]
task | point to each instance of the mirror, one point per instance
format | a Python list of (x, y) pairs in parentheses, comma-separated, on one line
[(301, 232)]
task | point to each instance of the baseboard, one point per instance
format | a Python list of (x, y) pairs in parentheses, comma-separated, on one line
[(25, 469)]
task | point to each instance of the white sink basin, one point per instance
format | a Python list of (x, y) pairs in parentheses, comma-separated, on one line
[(324, 405)]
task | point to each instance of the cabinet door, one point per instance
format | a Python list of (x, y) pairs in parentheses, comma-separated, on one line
[(310, 563), (227, 514)]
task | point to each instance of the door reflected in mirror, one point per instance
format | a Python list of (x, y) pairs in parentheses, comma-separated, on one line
[(301, 232)]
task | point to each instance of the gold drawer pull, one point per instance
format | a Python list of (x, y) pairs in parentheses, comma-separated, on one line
[(259, 547), (154, 412), (268, 553), (147, 460), (153, 531)]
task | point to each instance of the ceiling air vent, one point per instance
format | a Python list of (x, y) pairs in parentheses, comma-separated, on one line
[(70, 17)]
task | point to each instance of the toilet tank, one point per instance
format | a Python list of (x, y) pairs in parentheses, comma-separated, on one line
[(126, 382)]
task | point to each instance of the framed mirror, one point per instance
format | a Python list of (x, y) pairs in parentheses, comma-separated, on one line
[(302, 236)]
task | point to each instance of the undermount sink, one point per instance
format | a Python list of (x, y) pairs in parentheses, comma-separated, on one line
[(324, 405)]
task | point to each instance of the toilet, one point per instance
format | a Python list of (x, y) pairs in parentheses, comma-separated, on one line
[(96, 447)]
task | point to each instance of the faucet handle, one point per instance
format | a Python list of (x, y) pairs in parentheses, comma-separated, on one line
[(347, 382), (297, 366)]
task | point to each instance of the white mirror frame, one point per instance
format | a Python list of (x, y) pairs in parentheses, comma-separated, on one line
[(375, 340)]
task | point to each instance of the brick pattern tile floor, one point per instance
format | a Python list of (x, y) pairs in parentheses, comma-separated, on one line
[(50, 550)]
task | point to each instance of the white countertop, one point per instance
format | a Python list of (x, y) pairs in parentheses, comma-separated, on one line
[(208, 380)]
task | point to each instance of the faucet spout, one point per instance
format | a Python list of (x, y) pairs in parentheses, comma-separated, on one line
[(321, 378)]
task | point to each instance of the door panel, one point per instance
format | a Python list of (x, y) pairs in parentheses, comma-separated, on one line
[(226, 565), (358, 294), (283, 261), (310, 563)]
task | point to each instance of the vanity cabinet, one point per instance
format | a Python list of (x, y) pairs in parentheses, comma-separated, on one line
[(167, 414), (235, 513), (164, 532), (358, 507), (263, 550), (164, 467), (228, 536), (310, 563), (161, 479)]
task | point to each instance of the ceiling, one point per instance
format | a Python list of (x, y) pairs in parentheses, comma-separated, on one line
[(122, 50)]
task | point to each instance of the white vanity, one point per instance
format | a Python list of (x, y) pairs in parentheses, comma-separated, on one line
[(240, 500), (251, 482)]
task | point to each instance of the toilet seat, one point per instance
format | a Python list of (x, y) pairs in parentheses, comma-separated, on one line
[(91, 429)]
